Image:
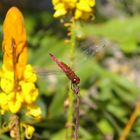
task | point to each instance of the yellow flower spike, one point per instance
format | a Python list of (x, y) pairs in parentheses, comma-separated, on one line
[(34, 111), (29, 130), (17, 78), (16, 31), (29, 75), (30, 92), (79, 9)]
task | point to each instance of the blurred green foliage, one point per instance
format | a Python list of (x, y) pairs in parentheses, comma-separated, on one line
[(124, 31), (107, 98)]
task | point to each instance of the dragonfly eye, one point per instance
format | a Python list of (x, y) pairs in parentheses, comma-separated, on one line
[(74, 80)]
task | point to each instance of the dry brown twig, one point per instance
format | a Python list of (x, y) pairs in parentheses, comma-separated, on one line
[(130, 122)]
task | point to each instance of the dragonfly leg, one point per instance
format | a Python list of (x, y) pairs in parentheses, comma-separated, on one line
[(75, 88)]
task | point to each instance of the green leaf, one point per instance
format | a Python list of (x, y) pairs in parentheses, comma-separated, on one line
[(105, 127), (59, 136)]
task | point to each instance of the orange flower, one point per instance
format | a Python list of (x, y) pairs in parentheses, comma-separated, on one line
[(14, 42), (17, 77)]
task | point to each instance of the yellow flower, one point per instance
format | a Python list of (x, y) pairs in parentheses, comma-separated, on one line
[(14, 106), (63, 6), (70, 4), (29, 130), (7, 80), (34, 111), (17, 78), (3, 103), (29, 75), (18, 90), (60, 10), (91, 2), (55, 1), (30, 92), (14, 102), (7, 85), (84, 9), (79, 9), (6, 73), (83, 5)]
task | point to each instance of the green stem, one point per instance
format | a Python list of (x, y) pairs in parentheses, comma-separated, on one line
[(70, 93), (70, 116), (73, 43), (22, 132)]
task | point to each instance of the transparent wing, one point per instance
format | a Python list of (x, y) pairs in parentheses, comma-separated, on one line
[(88, 48)]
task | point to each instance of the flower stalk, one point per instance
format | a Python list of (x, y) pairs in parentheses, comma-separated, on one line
[(70, 92), (18, 91)]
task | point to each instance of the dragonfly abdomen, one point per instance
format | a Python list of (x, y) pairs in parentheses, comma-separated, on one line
[(70, 74)]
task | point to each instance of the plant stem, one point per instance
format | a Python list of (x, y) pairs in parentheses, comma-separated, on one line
[(77, 117), (73, 42), (21, 132), (18, 129), (70, 116), (70, 93)]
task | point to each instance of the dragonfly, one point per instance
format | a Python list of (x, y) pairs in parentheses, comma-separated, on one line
[(87, 48), (75, 80)]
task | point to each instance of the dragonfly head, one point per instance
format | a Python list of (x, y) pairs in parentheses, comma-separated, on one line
[(76, 80)]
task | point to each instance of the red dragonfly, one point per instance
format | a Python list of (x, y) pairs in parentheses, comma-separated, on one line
[(75, 80), (67, 70)]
